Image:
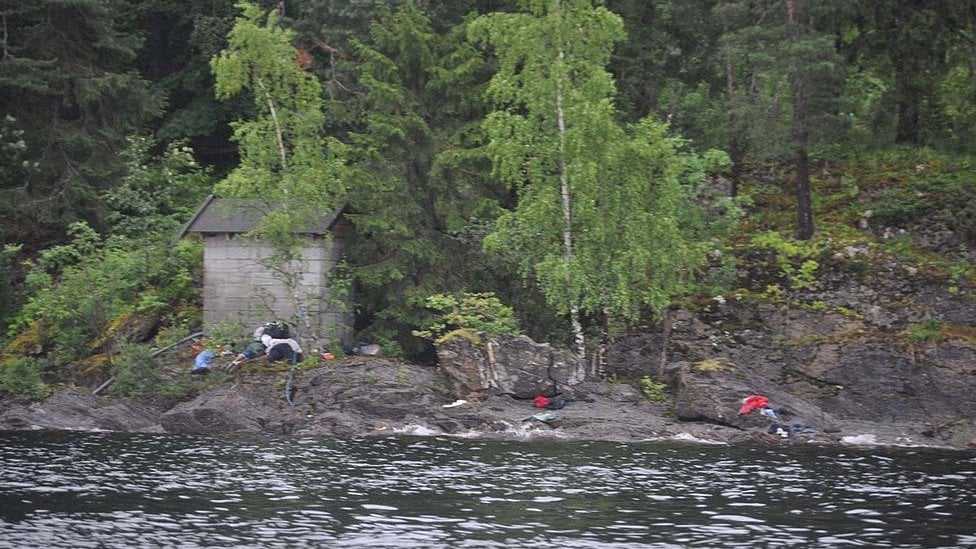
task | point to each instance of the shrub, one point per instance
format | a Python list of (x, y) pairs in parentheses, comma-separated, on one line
[(8, 295), (931, 188), (22, 376), (792, 257), (76, 290), (653, 390), (929, 329), (139, 375), (158, 192), (478, 312)]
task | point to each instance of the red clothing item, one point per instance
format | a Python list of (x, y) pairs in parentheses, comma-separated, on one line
[(753, 402)]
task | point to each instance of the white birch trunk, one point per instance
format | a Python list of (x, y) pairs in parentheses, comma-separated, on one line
[(282, 152), (574, 312)]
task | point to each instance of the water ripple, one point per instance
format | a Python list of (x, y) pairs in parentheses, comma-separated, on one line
[(108, 490)]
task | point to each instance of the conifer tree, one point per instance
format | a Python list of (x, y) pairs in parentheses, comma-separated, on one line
[(68, 88), (421, 181), (792, 100)]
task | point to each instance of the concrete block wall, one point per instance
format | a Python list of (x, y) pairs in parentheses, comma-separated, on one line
[(240, 288)]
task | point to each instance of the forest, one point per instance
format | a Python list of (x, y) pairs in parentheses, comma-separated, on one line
[(566, 169)]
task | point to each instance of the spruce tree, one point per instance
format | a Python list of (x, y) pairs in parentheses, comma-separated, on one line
[(422, 185), (66, 83), (793, 97)]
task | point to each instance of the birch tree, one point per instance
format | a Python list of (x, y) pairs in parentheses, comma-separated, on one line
[(286, 161), (597, 223), (284, 155)]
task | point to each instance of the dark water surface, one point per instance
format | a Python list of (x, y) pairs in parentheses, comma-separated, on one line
[(112, 490)]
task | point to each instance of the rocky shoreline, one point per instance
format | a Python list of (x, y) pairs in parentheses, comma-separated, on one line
[(362, 397), (881, 358)]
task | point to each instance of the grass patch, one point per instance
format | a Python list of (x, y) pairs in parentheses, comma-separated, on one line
[(933, 330), (964, 332), (840, 337), (717, 364)]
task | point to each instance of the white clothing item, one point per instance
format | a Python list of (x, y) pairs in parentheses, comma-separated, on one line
[(270, 342)]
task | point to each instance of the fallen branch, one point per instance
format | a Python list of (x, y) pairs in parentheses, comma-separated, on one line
[(156, 353)]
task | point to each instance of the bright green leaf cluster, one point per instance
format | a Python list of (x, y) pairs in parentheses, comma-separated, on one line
[(477, 312)]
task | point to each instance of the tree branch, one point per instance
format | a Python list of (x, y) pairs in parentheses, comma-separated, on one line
[(277, 125)]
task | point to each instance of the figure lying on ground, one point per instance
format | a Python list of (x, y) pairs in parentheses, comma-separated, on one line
[(278, 349)]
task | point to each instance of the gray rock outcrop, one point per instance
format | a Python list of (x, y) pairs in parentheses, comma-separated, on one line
[(518, 366)]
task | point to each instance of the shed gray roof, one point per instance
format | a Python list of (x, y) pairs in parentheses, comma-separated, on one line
[(240, 215)]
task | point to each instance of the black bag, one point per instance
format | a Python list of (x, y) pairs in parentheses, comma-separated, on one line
[(277, 330), (556, 403)]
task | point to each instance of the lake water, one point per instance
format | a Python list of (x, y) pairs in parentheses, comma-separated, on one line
[(73, 489)]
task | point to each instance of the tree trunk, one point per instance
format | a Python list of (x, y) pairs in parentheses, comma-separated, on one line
[(804, 206), (603, 347), (911, 80), (279, 135), (800, 130), (735, 152), (665, 339), (574, 312), (909, 97)]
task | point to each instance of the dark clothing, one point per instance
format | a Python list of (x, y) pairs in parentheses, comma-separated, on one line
[(283, 351)]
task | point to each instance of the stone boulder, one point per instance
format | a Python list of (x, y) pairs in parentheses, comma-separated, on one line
[(713, 392), (225, 410), (515, 366), (354, 397), (77, 409)]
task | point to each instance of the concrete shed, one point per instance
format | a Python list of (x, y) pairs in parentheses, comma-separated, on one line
[(241, 287)]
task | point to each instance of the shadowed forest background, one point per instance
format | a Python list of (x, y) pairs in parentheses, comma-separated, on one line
[(566, 169)]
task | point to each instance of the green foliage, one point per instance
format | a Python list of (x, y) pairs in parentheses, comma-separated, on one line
[(818, 306), (22, 376), (957, 99), (287, 161), (284, 155), (849, 313), (956, 272), (716, 364), (75, 290), (929, 329), (406, 92), (600, 223), (788, 253), (136, 373), (402, 375), (14, 163), (8, 297), (179, 39), (930, 187), (478, 312), (667, 66), (224, 336), (140, 375), (69, 84), (158, 193), (653, 390), (424, 194), (894, 44)]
